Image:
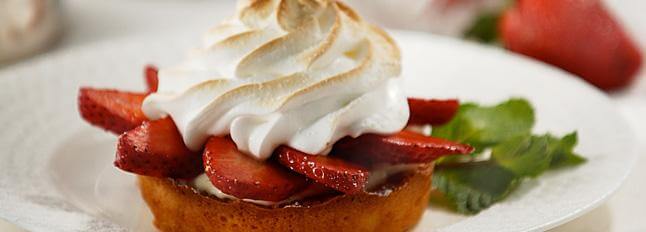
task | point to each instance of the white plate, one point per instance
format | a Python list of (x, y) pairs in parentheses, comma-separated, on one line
[(56, 173)]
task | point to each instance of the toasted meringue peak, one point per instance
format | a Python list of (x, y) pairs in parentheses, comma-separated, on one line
[(299, 72)]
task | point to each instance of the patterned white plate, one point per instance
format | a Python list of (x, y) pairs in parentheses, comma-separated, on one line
[(56, 173)]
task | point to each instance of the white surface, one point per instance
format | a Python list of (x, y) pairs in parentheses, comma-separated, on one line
[(95, 21), (41, 186)]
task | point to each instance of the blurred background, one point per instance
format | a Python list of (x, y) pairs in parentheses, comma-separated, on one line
[(601, 42)]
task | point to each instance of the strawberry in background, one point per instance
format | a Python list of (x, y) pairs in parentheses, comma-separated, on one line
[(579, 36)]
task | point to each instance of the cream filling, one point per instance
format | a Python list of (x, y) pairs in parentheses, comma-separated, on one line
[(376, 178)]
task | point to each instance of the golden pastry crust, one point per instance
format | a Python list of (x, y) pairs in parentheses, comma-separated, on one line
[(181, 208)]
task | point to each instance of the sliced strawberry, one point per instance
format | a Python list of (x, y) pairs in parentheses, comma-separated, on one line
[(110, 109), (315, 189), (156, 149), (152, 81), (579, 36), (434, 112), (405, 147), (240, 175), (329, 171)]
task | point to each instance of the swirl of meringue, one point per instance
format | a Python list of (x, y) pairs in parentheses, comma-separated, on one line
[(304, 73)]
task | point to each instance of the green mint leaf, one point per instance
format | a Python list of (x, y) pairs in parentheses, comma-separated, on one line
[(525, 155), (482, 127), (484, 29), (564, 155), (530, 156), (472, 187), (567, 161)]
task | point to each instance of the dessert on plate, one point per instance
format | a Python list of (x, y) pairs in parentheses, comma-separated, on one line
[(289, 117)]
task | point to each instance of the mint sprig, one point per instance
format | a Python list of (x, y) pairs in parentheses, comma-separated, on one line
[(516, 154), (484, 29)]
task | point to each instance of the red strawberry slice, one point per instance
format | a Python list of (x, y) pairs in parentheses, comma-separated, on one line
[(242, 176), (152, 81), (405, 147), (329, 171), (111, 110), (578, 36), (315, 189), (434, 112), (156, 149)]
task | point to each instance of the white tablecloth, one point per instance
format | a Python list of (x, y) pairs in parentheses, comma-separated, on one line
[(90, 21)]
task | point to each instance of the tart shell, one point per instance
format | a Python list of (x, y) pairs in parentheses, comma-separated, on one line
[(178, 207)]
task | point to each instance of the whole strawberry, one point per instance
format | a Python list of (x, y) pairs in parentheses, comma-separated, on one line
[(579, 36)]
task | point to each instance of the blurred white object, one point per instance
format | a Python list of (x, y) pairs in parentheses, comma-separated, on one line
[(447, 17), (8, 227), (27, 26)]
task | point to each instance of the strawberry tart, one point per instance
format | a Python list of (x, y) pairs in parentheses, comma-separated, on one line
[(289, 117)]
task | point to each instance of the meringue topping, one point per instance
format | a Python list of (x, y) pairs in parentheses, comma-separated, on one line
[(304, 73)]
